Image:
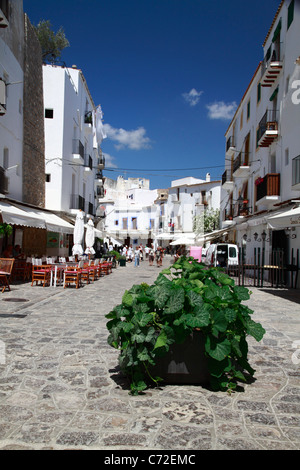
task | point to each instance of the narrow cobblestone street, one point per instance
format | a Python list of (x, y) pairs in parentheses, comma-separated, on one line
[(60, 387)]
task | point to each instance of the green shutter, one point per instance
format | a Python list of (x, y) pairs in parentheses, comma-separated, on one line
[(277, 31), (274, 94), (258, 92), (290, 13)]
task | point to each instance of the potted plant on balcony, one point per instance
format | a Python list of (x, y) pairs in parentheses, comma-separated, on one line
[(184, 302)]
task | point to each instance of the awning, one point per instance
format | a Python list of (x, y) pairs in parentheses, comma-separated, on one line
[(288, 218), (53, 223), (17, 214), (14, 215), (212, 235), (185, 240)]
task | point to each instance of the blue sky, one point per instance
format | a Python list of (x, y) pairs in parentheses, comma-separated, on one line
[(167, 73)]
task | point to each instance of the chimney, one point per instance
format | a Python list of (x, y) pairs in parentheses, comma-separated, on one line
[(207, 177)]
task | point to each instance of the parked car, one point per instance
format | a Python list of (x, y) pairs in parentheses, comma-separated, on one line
[(222, 254)]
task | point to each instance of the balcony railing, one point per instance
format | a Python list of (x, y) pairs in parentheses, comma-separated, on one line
[(241, 210), (226, 177), (268, 128), (88, 162), (78, 148), (271, 66), (230, 143), (77, 202), (296, 173), (269, 186)]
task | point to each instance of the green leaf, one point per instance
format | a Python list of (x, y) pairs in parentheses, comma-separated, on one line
[(162, 340), (255, 329), (143, 354), (142, 319), (175, 302), (138, 336), (217, 350), (230, 314), (242, 293), (195, 299), (219, 321), (162, 293), (127, 299)]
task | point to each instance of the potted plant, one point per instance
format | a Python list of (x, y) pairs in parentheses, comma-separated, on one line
[(185, 302), (122, 260)]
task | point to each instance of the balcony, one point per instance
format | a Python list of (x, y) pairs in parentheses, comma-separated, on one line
[(228, 218), (268, 129), (296, 173), (78, 150), (270, 69), (268, 190), (77, 202), (241, 209), (88, 163), (241, 169), (227, 180), (101, 163), (230, 145), (88, 122)]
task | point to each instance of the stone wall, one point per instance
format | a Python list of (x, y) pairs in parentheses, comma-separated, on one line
[(34, 141)]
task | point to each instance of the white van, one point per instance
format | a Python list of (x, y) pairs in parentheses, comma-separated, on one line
[(222, 254)]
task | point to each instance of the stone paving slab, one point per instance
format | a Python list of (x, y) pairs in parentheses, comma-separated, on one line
[(60, 387)]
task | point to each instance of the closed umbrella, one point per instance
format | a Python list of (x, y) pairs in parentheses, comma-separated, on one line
[(78, 234), (90, 238)]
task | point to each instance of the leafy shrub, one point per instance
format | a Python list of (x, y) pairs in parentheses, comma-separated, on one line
[(185, 297)]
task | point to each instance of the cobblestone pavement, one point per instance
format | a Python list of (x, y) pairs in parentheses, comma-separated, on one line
[(60, 387)]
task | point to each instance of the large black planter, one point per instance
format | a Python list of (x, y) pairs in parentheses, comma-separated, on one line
[(122, 262), (184, 363)]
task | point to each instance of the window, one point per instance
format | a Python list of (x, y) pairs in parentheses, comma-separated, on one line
[(20, 106), (287, 84), (248, 110), (286, 155), (134, 223), (116, 222), (258, 93), (48, 177), (49, 113), (125, 223), (290, 14)]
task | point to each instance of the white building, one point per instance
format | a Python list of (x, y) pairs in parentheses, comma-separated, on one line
[(71, 149), (11, 99), (130, 210), (188, 198), (262, 163)]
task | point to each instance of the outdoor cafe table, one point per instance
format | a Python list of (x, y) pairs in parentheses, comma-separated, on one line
[(58, 268)]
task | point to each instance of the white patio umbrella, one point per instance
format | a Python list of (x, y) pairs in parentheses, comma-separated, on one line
[(184, 240), (78, 234), (90, 238)]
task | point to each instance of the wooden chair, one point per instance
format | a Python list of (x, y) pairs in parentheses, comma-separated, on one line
[(41, 273), (72, 275), (20, 270), (85, 273), (6, 266)]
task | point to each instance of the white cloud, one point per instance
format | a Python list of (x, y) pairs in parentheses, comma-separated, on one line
[(221, 110), (192, 97), (135, 139), (109, 161)]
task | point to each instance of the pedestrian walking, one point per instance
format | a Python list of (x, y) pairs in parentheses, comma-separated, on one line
[(158, 256), (151, 256), (137, 257)]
